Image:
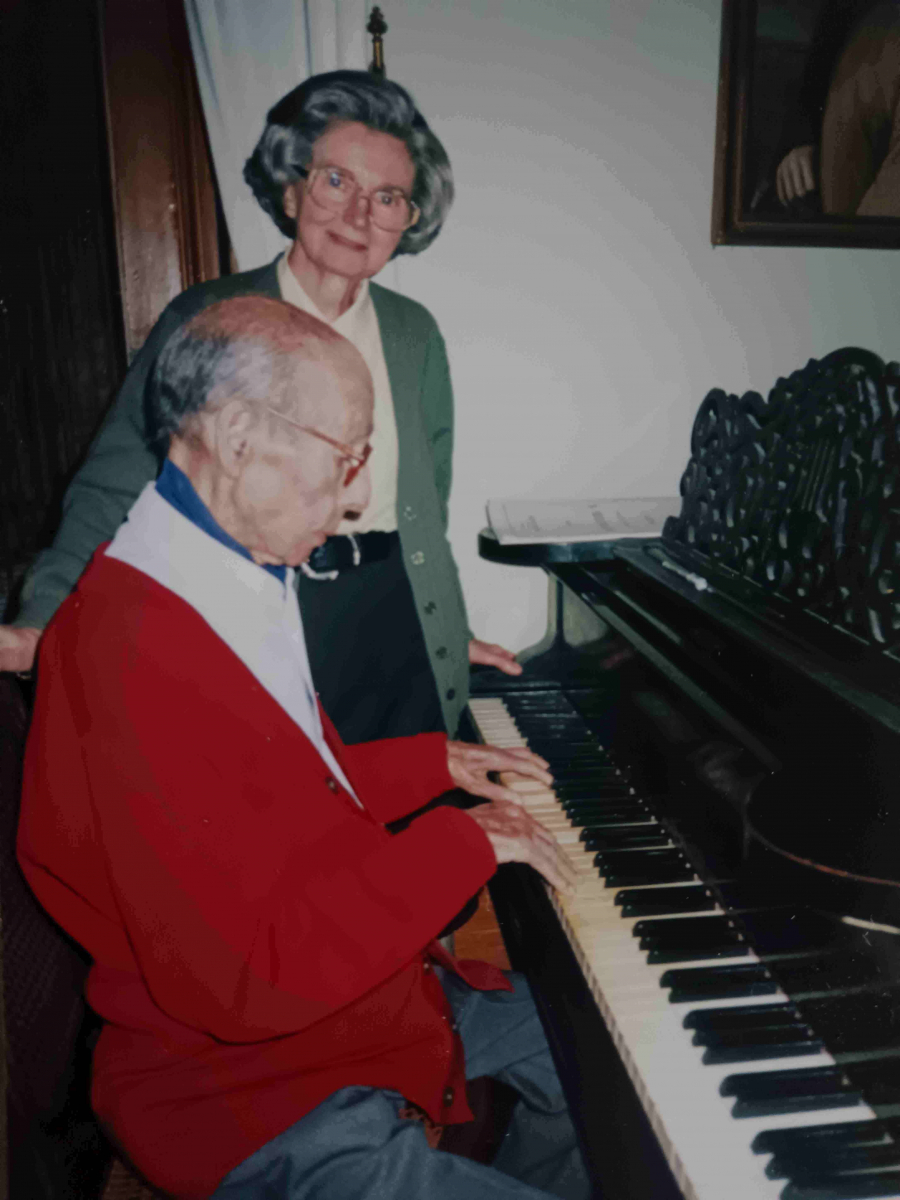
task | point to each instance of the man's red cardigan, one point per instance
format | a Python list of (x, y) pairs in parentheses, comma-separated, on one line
[(259, 941)]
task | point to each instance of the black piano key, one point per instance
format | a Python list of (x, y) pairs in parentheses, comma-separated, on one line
[(694, 953), (744, 1017), (562, 752), (801, 1089), (583, 762), (599, 818), (828, 1160), (624, 837), (687, 938), (574, 796), (549, 723), (843, 1187), (681, 927), (688, 984), (590, 768), (587, 790), (651, 902), (583, 805), (620, 868), (757, 1045), (810, 1138)]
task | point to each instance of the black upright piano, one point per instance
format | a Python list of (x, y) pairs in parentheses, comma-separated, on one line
[(721, 710)]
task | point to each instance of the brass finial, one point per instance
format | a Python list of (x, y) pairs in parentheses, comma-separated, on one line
[(377, 26)]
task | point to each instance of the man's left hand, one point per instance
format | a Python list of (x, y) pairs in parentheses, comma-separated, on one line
[(491, 655), (469, 766)]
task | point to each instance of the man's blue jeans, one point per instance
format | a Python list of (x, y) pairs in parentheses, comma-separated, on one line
[(355, 1145)]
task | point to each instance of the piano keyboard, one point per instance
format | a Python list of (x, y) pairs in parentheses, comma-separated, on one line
[(647, 996)]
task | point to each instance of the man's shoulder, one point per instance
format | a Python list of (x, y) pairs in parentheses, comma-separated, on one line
[(118, 601), (124, 635)]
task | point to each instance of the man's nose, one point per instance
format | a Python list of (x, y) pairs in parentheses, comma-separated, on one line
[(359, 492)]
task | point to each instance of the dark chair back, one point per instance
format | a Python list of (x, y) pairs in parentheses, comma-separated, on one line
[(54, 1149)]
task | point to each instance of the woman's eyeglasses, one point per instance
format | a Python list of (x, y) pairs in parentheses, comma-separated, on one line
[(332, 187)]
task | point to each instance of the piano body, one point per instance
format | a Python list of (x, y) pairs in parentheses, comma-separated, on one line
[(721, 708)]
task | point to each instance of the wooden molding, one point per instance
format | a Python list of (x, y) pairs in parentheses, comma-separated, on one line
[(162, 180)]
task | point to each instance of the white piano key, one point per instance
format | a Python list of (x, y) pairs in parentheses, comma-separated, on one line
[(707, 1148)]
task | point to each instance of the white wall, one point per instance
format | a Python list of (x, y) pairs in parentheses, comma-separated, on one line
[(585, 311)]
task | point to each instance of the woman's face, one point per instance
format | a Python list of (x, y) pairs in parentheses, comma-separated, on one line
[(348, 243)]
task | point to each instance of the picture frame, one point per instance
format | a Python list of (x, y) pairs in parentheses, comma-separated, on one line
[(775, 54)]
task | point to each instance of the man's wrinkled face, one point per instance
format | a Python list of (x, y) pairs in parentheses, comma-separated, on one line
[(290, 494)]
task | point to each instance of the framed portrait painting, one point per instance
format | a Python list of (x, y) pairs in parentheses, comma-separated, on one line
[(808, 125)]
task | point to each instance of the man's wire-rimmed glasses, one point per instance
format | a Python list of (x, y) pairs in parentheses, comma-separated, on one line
[(357, 461), (335, 188)]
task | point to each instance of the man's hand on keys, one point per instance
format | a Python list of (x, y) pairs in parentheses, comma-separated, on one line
[(516, 836), (470, 764), (18, 647)]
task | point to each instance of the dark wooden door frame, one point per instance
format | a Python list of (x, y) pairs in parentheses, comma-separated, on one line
[(167, 229)]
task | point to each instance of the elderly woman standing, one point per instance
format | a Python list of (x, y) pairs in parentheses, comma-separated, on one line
[(348, 168)]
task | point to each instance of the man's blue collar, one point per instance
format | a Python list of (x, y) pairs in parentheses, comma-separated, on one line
[(175, 487)]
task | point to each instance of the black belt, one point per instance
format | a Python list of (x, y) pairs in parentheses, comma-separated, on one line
[(349, 550)]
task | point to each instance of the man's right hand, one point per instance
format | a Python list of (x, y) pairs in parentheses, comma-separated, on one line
[(516, 836), (18, 647)]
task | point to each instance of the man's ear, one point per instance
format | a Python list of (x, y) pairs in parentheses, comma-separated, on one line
[(231, 429)]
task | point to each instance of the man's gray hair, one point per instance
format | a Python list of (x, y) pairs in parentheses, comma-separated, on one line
[(246, 346), (298, 120)]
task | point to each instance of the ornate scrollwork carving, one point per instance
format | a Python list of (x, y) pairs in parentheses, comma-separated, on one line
[(800, 493)]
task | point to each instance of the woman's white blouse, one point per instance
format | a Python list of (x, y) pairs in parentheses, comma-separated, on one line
[(359, 325)]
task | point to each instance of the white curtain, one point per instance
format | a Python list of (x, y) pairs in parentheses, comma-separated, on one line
[(248, 54)]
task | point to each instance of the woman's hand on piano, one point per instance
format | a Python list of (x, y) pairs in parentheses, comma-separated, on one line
[(489, 654), (470, 766), (515, 836), (18, 647)]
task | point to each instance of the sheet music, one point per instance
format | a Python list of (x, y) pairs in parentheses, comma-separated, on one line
[(531, 521)]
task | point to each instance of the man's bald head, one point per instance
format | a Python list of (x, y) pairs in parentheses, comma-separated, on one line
[(249, 347), (228, 391)]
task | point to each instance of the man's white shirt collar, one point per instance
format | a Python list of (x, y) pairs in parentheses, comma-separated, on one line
[(256, 616)]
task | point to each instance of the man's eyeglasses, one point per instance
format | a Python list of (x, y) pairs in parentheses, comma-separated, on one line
[(332, 187), (357, 461)]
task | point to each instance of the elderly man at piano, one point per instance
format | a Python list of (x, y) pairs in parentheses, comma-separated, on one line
[(276, 1006)]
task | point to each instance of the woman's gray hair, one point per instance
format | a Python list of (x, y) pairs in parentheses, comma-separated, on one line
[(298, 120)]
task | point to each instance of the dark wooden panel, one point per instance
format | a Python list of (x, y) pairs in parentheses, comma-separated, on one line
[(162, 177), (61, 347), (97, 232)]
